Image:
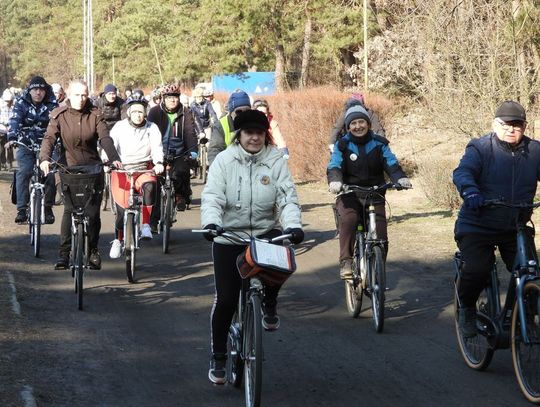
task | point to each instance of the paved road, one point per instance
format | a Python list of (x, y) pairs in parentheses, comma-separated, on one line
[(147, 344)]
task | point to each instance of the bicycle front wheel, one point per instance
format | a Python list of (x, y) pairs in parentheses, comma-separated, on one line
[(79, 265), (253, 352), (204, 163), (235, 364), (378, 287), (476, 351), (35, 222), (166, 214), (106, 189), (130, 247), (526, 355)]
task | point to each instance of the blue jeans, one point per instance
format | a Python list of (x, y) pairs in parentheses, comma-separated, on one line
[(26, 160)]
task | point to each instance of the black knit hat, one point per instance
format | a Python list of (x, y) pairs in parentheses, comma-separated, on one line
[(37, 82), (510, 111), (251, 119)]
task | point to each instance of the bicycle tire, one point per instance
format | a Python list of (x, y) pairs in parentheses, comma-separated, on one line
[(378, 286), (106, 188), (253, 352), (526, 357), (235, 364), (79, 265), (130, 244), (353, 288), (35, 222), (204, 163), (166, 214), (477, 351)]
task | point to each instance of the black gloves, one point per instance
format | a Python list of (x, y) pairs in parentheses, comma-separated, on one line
[(210, 236), (474, 201), (297, 235)]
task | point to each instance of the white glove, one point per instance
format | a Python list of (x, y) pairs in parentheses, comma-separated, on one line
[(158, 168), (106, 169), (45, 167), (405, 183), (201, 135), (331, 147), (335, 187)]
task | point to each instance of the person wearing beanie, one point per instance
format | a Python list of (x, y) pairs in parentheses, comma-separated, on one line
[(263, 106), (501, 165), (339, 129), (223, 131), (138, 142), (110, 105), (249, 191), (360, 158), (27, 124)]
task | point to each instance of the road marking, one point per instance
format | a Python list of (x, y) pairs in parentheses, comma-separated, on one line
[(15, 306), (28, 396)]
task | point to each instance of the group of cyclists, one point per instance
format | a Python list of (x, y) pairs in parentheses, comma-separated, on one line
[(249, 188)]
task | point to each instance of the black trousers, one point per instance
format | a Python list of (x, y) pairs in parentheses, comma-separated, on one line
[(181, 178), (228, 284), (478, 254)]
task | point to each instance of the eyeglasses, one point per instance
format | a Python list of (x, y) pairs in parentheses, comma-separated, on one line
[(512, 125)]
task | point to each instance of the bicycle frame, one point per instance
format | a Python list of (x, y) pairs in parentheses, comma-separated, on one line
[(77, 217)]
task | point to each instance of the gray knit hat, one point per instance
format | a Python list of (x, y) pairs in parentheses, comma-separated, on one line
[(356, 112)]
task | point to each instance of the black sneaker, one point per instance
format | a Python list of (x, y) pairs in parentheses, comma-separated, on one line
[(62, 263), (22, 216), (94, 260), (49, 215), (467, 322), (270, 320), (217, 372), (153, 228), (180, 203)]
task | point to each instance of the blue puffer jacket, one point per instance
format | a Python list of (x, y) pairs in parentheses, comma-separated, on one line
[(494, 169), (26, 114)]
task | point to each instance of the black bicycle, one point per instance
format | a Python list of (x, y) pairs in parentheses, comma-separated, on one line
[(262, 263), (517, 323), (167, 212), (368, 269), (79, 189)]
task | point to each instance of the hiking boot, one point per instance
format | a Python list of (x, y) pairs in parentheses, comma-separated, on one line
[(467, 322), (116, 249), (49, 215), (217, 372), (22, 216), (146, 232), (94, 260), (345, 269), (180, 203), (270, 320), (62, 262)]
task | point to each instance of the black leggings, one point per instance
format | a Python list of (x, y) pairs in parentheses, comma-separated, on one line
[(228, 284)]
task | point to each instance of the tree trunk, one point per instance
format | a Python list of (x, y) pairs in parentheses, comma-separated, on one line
[(304, 72), (280, 68)]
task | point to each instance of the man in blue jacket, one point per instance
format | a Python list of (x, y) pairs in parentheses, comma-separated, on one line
[(28, 123), (503, 164)]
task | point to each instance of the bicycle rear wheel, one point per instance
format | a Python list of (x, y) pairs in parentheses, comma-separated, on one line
[(130, 247), (476, 351), (235, 364), (79, 264), (166, 214), (204, 163), (526, 356), (35, 222), (378, 286), (253, 352)]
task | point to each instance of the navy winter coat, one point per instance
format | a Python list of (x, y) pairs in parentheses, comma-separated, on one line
[(496, 170)]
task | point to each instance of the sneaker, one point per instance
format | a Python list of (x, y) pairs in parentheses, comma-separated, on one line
[(153, 229), (217, 372), (116, 249), (49, 215), (345, 269), (180, 203), (467, 322), (146, 232), (94, 260), (62, 262), (270, 320), (22, 216)]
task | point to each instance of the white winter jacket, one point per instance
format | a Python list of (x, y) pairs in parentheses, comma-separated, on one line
[(254, 193), (137, 144)]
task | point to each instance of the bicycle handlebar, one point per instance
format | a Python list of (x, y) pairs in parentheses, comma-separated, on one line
[(347, 189), (131, 172), (500, 202), (239, 239), (33, 147)]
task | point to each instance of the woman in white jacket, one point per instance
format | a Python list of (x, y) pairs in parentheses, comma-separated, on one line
[(249, 189), (138, 143)]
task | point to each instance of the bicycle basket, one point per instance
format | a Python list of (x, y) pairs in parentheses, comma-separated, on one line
[(272, 264), (79, 188)]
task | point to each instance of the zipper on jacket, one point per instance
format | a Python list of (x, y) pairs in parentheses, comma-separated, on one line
[(513, 174), (251, 197)]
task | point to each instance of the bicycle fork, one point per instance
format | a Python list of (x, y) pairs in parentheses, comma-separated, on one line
[(34, 187)]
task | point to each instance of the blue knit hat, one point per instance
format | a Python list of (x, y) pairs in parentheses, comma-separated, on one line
[(237, 99), (356, 112), (110, 88)]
